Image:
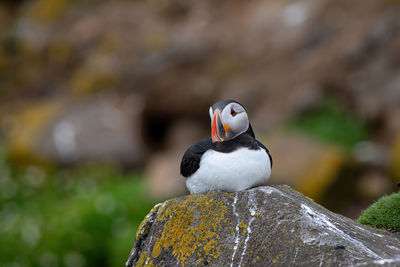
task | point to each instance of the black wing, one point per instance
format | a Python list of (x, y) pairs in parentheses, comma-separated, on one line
[(191, 159), (262, 146)]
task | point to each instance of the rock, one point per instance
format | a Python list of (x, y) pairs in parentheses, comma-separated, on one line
[(260, 226)]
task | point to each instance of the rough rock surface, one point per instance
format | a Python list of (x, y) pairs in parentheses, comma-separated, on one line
[(257, 227)]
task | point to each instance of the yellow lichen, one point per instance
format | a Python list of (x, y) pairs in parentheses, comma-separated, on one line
[(142, 258), (244, 227), (229, 195), (276, 258), (211, 250), (187, 231), (145, 223)]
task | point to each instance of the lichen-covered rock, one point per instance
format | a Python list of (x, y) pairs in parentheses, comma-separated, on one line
[(257, 227)]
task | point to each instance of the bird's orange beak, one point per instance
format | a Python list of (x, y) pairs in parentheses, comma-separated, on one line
[(218, 128)]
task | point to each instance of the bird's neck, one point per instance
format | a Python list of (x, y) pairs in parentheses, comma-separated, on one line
[(246, 139)]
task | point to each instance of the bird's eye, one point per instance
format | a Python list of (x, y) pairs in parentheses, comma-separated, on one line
[(233, 113)]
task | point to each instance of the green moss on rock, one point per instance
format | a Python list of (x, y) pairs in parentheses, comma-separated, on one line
[(385, 213)]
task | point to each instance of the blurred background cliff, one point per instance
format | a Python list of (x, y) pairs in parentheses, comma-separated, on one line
[(99, 100)]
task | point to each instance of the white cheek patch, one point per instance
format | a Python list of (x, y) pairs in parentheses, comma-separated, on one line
[(240, 123), (211, 113)]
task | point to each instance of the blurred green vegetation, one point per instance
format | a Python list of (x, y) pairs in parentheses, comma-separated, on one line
[(330, 122), (385, 213), (81, 217)]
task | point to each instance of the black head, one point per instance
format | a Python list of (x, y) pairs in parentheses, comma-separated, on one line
[(228, 120)]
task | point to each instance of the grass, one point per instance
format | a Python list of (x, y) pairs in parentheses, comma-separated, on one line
[(331, 123), (385, 213), (83, 217)]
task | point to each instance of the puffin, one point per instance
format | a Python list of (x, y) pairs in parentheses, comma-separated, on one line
[(231, 159)]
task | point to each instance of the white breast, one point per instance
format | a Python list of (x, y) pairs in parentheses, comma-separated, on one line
[(234, 171)]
